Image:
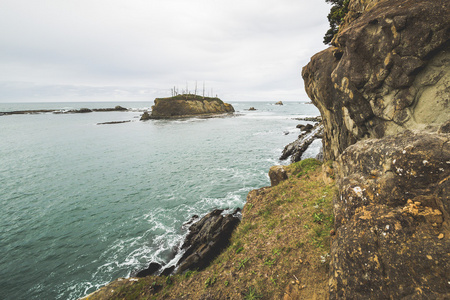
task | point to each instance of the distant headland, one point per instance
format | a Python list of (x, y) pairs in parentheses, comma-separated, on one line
[(187, 105)]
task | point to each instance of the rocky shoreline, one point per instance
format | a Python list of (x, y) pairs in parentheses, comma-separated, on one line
[(59, 111), (206, 238), (382, 89)]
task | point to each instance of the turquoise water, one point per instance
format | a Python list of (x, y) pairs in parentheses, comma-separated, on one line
[(83, 204)]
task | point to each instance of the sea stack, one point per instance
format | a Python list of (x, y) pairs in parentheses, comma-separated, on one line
[(181, 106)]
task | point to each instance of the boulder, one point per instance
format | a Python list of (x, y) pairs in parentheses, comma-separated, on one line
[(388, 71), (279, 103), (392, 219), (252, 108), (277, 174)]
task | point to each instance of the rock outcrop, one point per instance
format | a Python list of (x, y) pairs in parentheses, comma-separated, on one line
[(206, 239), (383, 92), (392, 219), (388, 71), (295, 149), (277, 174), (187, 106)]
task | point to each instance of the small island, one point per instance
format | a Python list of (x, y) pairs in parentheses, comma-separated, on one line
[(187, 105)]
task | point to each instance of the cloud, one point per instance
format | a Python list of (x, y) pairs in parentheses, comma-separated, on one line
[(243, 49)]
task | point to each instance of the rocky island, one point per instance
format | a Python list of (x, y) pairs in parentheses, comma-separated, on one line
[(182, 106), (372, 221)]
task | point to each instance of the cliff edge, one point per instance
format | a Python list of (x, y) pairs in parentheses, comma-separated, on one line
[(188, 105), (388, 71), (383, 91)]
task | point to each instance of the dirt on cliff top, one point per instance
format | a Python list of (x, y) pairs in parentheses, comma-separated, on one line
[(279, 251)]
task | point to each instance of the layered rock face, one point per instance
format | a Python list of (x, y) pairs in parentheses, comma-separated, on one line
[(178, 106), (387, 72), (383, 91)]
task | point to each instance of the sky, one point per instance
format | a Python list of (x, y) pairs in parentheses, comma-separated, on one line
[(137, 50)]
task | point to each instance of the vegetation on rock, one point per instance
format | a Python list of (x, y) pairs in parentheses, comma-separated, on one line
[(281, 247), (335, 18)]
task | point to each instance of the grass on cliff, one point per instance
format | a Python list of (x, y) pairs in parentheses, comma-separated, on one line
[(281, 247)]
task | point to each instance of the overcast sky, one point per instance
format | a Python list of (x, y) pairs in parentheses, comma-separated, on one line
[(135, 50)]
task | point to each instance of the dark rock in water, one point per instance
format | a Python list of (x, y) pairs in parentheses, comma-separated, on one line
[(82, 110), (279, 103), (168, 271), (308, 127), (114, 122), (392, 219), (297, 147), (190, 222), (119, 108), (310, 119), (277, 174), (252, 108), (145, 116), (206, 239), (151, 270)]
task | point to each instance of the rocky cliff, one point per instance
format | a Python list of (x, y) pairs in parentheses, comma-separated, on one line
[(383, 90), (386, 72), (188, 105)]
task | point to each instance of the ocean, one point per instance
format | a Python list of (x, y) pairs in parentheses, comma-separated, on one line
[(83, 204)]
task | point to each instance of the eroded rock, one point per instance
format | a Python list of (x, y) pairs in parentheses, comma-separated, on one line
[(388, 71), (206, 239), (392, 207)]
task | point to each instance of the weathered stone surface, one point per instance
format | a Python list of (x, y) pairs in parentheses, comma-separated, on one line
[(206, 239), (277, 174), (393, 204), (178, 106), (387, 72)]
